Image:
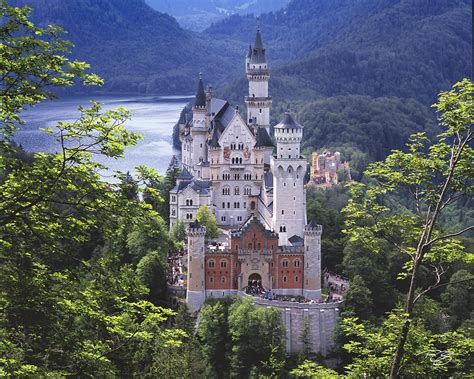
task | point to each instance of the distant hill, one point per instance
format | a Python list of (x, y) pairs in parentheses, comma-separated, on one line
[(410, 49), (198, 15), (137, 49)]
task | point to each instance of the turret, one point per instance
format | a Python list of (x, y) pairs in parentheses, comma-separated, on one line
[(312, 261), (289, 169), (258, 102), (196, 290), (199, 129)]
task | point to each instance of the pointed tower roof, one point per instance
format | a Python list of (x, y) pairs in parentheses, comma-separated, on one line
[(184, 175), (214, 142), (288, 122), (258, 51), (200, 100)]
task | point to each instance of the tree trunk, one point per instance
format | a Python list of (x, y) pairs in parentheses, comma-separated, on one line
[(397, 360)]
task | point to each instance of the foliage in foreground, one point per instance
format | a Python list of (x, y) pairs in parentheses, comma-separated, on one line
[(74, 299)]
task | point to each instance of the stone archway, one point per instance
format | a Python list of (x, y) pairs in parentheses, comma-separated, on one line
[(255, 276), (254, 284)]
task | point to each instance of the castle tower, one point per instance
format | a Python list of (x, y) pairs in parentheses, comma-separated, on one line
[(196, 290), (199, 129), (312, 261), (289, 169), (258, 102)]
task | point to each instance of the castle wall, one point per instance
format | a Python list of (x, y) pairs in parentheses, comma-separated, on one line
[(321, 320)]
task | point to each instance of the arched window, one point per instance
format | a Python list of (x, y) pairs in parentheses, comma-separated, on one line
[(285, 279), (284, 263), (236, 191), (222, 279), (210, 263), (224, 263), (296, 263), (296, 279)]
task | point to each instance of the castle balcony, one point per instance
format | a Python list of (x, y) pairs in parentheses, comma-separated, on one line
[(258, 71), (237, 166), (243, 254)]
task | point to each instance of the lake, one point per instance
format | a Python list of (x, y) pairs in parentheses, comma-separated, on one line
[(153, 117)]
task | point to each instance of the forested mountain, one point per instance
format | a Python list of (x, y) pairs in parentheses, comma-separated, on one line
[(135, 48), (316, 48), (198, 15), (377, 48)]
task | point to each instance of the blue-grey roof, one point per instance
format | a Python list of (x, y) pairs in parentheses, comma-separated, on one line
[(288, 122), (258, 52), (296, 240), (263, 139), (268, 179), (184, 175), (217, 106), (214, 142), (200, 100), (201, 186)]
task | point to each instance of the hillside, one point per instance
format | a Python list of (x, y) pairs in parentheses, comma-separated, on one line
[(135, 48), (409, 49), (198, 16)]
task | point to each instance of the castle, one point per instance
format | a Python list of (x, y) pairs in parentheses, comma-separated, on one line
[(256, 188)]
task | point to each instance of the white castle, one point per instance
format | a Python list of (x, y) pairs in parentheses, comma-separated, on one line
[(230, 165)]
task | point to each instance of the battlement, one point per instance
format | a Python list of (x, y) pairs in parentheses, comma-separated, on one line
[(290, 249), (196, 230), (313, 228)]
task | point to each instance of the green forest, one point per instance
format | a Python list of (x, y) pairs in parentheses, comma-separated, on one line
[(83, 266)]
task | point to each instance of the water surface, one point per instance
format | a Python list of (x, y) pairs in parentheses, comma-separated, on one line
[(153, 118)]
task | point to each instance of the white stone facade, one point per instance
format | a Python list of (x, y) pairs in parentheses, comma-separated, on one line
[(230, 163)]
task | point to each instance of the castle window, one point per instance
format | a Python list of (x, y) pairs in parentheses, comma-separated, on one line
[(282, 211), (210, 264), (245, 204), (226, 191), (228, 204), (211, 279), (284, 263), (285, 279), (239, 218), (247, 176), (223, 218), (296, 263), (223, 279), (236, 191), (173, 212), (252, 205), (223, 264), (296, 279), (173, 198), (223, 205)]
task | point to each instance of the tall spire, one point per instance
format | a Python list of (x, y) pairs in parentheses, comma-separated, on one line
[(200, 100), (258, 52)]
